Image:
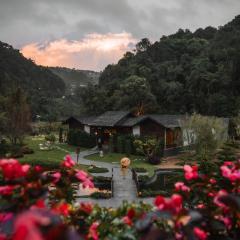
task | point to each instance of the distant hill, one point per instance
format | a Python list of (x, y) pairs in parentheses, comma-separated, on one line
[(39, 83), (74, 78)]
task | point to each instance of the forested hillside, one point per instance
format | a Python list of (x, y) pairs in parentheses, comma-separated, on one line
[(40, 85), (75, 78), (184, 72)]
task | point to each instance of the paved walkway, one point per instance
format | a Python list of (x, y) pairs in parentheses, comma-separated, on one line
[(124, 187)]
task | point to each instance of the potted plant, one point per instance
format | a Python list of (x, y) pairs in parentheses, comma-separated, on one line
[(152, 148)]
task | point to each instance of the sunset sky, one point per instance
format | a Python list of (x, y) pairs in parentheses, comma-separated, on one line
[(89, 34)]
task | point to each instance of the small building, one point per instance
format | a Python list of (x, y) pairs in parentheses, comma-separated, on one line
[(165, 127)]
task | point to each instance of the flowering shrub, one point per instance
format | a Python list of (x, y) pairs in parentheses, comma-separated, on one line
[(37, 205)]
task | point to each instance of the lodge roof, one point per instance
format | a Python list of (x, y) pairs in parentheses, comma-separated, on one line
[(110, 118), (126, 119), (168, 121)]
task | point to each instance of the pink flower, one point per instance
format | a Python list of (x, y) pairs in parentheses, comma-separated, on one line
[(12, 169), (126, 220), (27, 226), (81, 175), (87, 183), (190, 172), (56, 177), (6, 190), (173, 204), (180, 186), (218, 195), (199, 233), (212, 181), (68, 162), (84, 178), (231, 173), (5, 216), (93, 234)]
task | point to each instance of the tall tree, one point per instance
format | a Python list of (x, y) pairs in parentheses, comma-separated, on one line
[(18, 116)]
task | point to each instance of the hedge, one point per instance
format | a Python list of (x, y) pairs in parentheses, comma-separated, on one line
[(81, 139)]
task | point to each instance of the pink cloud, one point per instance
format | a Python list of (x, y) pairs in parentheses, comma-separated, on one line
[(93, 52)]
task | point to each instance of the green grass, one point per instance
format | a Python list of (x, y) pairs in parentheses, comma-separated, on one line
[(136, 161), (48, 157)]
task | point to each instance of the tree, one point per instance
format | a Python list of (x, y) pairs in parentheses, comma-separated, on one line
[(18, 116), (135, 95), (209, 133)]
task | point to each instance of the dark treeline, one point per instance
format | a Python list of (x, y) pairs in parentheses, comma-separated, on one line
[(40, 85), (184, 72)]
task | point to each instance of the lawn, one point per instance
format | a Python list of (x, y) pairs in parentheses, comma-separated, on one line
[(136, 161), (45, 157)]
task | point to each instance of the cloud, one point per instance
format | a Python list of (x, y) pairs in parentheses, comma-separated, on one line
[(23, 22), (92, 52)]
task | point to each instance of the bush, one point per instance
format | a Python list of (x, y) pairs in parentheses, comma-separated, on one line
[(95, 169), (51, 138), (152, 193), (101, 195), (121, 144), (81, 138), (27, 150), (140, 170)]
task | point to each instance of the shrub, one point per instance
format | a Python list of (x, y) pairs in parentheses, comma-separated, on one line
[(81, 138), (51, 138), (26, 150), (140, 170), (95, 169), (151, 193), (101, 195), (121, 144)]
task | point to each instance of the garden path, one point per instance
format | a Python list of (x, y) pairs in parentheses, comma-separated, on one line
[(124, 187)]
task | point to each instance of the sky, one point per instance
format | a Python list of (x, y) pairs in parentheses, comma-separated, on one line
[(90, 34)]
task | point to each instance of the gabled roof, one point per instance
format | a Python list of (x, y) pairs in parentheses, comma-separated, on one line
[(168, 121), (110, 118), (132, 121), (86, 120)]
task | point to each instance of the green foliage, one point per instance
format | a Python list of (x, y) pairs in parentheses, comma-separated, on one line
[(50, 138), (149, 147), (95, 169), (101, 195), (17, 116), (39, 83), (120, 144), (183, 72), (140, 170), (209, 134), (81, 138)]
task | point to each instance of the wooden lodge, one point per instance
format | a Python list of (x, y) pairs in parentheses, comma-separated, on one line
[(165, 127)]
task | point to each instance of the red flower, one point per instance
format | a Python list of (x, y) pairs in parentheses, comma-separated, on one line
[(12, 169), (127, 220), (212, 181), (6, 190), (27, 226), (56, 177), (173, 204), (199, 233), (68, 162), (190, 172), (62, 208), (93, 234), (86, 207), (180, 186), (5, 216), (131, 213), (217, 196)]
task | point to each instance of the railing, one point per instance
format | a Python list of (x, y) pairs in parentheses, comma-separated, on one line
[(112, 185), (135, 178)]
